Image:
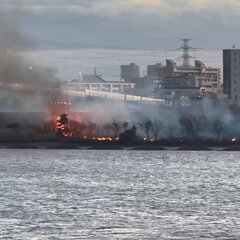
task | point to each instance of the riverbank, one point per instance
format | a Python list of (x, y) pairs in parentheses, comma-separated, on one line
[(147, 146)]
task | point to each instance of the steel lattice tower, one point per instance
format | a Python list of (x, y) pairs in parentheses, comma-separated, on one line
[(186, 56)]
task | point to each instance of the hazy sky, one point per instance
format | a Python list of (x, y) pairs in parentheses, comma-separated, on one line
[(131, 24)]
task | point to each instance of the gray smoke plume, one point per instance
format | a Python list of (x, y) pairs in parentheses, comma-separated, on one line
[(24, 85), (203, 120), (11, 36)]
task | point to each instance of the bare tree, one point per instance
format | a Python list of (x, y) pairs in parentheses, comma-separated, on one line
[(218, 128), (156, 128), (188, 126), (203, 123), (91, 128), (75, 127), (116, 128), (82, 128), (107, 129), (125, 125), (146, 126)]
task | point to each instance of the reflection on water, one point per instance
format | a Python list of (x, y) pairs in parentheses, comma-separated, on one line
[(119, 195)]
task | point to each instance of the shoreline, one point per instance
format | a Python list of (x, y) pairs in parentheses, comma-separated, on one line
[(141, 146)]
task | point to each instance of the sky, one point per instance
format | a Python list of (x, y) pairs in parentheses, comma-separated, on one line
[(127, 24)]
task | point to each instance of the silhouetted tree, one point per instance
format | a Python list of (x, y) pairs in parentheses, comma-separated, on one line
[(76, 128), (62, 128), (63, 119), (203, 123), (218, 128), (107, 129), (156, 128), (116, 128), (125, 125), (187, 126), (146, 126), (49, 126), (91, 127), (129, 136), (82, 128)]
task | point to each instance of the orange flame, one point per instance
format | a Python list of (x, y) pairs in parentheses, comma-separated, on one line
[(62, 129)]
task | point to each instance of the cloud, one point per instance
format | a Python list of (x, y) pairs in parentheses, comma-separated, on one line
[(116, 8), (128, 23), (222, 8)]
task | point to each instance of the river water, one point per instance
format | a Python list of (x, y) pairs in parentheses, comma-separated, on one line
[(76, 194)]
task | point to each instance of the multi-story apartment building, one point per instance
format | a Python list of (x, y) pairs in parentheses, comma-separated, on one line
[(130, 72), (231, 74), (206, 78)]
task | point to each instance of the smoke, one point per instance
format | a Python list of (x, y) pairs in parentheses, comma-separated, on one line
[(103, 111), (24, 85), (27, 87), (206, 119), (11, 36)]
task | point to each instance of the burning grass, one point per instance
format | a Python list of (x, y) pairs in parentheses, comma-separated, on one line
[(89, 131), (62, 126)]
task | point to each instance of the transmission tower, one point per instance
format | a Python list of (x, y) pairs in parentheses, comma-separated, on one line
[(186, 55)]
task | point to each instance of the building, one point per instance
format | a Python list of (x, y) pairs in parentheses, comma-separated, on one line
[(177, 93), (179, 82), (130, 72), (155, 71), (173, 76), (170, 68), (206, 78), (199, 75), (94, 82), (231, 74)]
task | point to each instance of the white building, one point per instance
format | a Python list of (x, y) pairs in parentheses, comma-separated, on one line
[(96, 83)]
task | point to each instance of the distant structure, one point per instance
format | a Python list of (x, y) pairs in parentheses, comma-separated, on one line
[(205, 78), (185, 79), (170, 79), (231, 74), (186, 55), (155, 72), (130, 72), (94, 82)]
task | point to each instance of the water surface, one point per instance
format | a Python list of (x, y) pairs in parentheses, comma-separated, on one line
[(55, 194)]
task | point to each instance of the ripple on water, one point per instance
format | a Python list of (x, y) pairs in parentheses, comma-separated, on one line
[(47, 194)]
